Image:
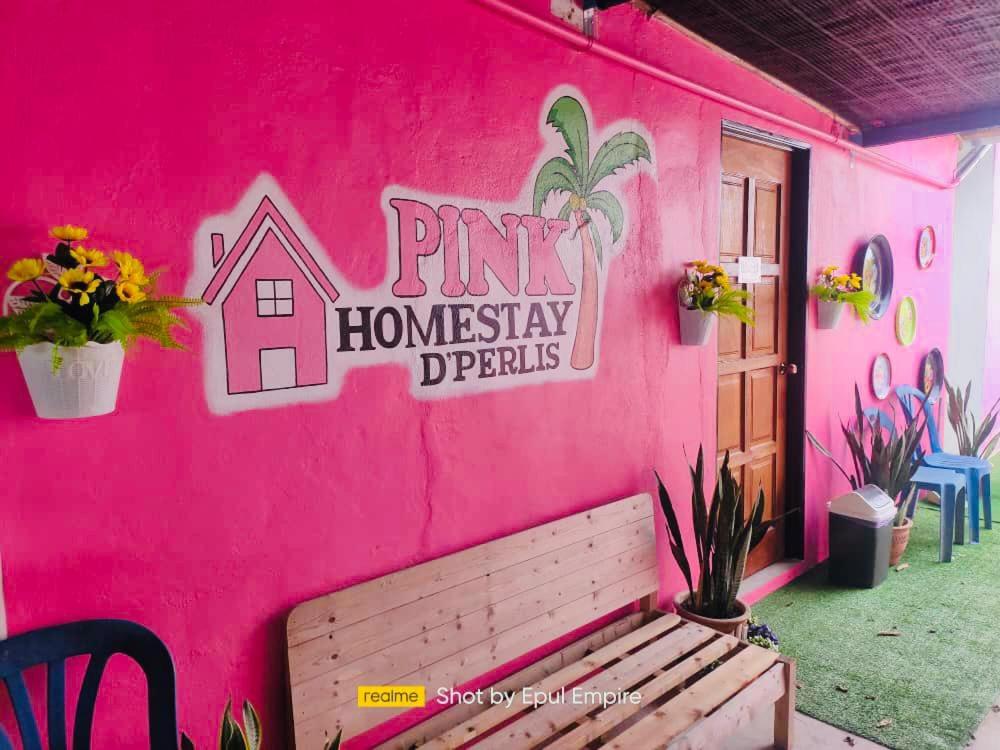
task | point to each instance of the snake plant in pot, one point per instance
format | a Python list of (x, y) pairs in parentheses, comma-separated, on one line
[(884, 457), (724, 536)]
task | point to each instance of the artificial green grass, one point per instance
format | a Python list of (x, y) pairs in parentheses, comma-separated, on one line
[(936, 681)]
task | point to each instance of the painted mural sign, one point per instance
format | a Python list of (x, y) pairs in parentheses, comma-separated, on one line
[(478, 296)]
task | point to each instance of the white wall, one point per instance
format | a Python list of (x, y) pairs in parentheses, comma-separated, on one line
[(971, 249)]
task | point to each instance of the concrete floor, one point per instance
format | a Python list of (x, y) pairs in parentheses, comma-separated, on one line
[(811, 734)]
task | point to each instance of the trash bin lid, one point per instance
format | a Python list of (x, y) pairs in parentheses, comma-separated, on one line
[(868, 503)]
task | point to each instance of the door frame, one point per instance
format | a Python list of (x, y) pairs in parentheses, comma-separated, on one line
[(798, 300)]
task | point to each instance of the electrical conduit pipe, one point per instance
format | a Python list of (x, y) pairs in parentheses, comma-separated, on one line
[(575, 39)]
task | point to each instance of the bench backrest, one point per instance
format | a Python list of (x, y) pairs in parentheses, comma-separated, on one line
[(446, 622)]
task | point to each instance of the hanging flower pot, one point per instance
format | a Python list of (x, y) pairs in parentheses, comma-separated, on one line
[(696, 325), (829, 313), (84, 385), (703, 294), (834, 291), (77, 311)]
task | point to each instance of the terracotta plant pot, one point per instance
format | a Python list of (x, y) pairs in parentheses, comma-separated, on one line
[(695, 326), (829, 313), (900, 538), (736, 626), (86, 385)]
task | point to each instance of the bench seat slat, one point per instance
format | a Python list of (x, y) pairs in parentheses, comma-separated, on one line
[(659, 728), (497, 715), (713, 730), (460, 713), (590, 729), (553, 717)]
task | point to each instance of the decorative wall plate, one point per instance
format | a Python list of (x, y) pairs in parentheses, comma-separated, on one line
[(873, 264), (881, 376), (926, 247), (906, 321), (932, 375)]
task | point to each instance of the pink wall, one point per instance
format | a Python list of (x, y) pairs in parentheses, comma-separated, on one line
[(143, 120)]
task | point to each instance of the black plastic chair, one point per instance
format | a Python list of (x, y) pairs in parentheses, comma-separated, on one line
[(99, 639)]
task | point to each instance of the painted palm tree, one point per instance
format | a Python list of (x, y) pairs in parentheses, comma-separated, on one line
[(579, 176)]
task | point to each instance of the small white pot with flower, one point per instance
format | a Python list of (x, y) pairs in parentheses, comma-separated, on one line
[(70, 322), (833, 291), (705, 292)]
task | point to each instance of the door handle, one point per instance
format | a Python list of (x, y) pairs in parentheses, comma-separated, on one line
[(788, 368)]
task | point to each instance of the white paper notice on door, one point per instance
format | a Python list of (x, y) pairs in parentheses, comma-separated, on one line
[(749, 270)]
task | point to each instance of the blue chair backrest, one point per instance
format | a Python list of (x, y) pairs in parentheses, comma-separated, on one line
[(874, 415), (99, 639), (909, 397)]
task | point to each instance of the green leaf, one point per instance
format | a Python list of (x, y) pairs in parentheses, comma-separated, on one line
[(674, 533), (556, 174), (616, 153), (231, 736), (565, 211), (334, 744), (568, 117), (186, 743), (608, 205), (251, 725)]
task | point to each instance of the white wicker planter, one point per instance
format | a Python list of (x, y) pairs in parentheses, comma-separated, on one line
[(828, 313), (696, 325), (85, 386)]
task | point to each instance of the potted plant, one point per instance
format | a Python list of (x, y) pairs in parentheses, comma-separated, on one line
[(704, 292), (832, 291), (884, 457), (973, 439), (81, 310), (231, 735), (723, 540)]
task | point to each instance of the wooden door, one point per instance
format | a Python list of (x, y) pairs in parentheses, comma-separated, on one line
[(752, 361)]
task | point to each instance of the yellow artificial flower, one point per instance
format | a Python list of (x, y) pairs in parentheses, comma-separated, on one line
[(129, 292), (69, 233), (855, 281), (841, 280), (26, 269), (79, 281), (723, 281), (130, 268), (828, 271), (89, 257)]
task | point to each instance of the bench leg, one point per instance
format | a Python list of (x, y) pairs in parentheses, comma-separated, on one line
[(784, 709)]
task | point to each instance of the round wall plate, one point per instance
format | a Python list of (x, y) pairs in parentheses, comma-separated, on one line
[(932, 375), (926, 247), (873, 263), (906, 321), (881, 376)]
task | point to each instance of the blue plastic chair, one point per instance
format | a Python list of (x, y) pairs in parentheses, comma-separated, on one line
[(947, 484), (976, 471), (100, 639)]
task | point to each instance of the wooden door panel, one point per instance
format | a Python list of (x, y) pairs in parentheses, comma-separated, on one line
[(763, 389), (756, 181), (760, 475), (764, 335), (766, 220), (733, 233), (731, 412)]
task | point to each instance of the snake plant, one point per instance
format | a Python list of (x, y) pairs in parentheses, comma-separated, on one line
[(724, 536), (231, 735), (974, 439), (886, 458)]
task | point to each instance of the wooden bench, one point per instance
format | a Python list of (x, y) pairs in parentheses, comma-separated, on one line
[(448, 622)]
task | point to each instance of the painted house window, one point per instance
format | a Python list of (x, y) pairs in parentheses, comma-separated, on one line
[(274, 298)]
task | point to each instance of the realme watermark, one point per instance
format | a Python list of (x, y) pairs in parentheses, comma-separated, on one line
[(529, 696), (391, 696)]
